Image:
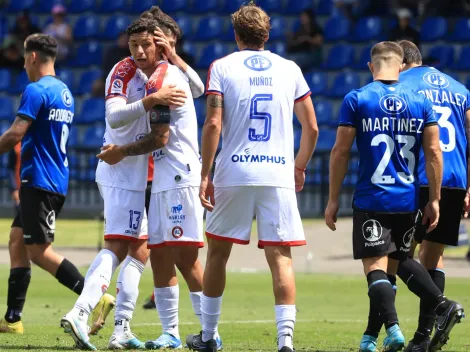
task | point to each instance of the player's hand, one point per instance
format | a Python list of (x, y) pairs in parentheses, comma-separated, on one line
[(466, 205), (111, 154), (15, 196), (431, 215), (170, 96), (331, 213), (299, 176), (160, 39), (206, 194)]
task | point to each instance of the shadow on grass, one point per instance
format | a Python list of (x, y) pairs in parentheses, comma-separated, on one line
[(35, 348)]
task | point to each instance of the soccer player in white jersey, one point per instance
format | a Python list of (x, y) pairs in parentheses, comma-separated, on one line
[(123, 188), (251, 98), (176, 220)]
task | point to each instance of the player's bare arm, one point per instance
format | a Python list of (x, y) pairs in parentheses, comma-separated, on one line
[(15, 133), (306, 115), (467, 196), (433, 157), (210, 141), (157, 138), (339, 160)]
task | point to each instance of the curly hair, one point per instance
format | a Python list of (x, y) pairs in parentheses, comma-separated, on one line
[(252, 25), (165, 22)]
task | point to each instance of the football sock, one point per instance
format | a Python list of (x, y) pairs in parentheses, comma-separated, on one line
[(166, 301), (210, 309), (127, 288), (18, 283), (196, 302), (285, 321), (105, 263), (427, 315), (69, 276), (382, 297)]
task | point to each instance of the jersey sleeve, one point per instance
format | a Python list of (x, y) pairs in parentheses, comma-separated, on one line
[(348, 110), (214, 83), (32, 100), (160, 113), (429, 114), (302, 90), (117, 83)]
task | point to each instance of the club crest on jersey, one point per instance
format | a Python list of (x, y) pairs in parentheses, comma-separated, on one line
[(258, 63), (435, 79), (67, 98), (177, 232), (392, 104)]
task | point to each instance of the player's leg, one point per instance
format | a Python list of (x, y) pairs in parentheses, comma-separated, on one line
[(150, 301), (230, 222)]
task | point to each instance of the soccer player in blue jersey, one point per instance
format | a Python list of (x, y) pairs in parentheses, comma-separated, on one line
[(451, 104), (390, 123), (43, 124)]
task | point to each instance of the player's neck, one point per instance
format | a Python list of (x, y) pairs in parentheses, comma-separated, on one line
[(407, 67), (44, 70), (386, 76), (149, 71), (242, 47)]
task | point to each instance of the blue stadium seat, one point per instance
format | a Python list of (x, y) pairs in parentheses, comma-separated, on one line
[(367, 28), (200, 105), (15, 6), (324, 112), (433, 28), (73, 140), (92, 111), (204, 6), (297, 6), (4, 29), (211, 53), (463, 63), (444, 54), (326, 140), (137, 7), (20, 84), (279, 48), (339, 56), (461, 32), (67, 76), (114, 26), (232, 5), (80, 6), (110, 6), (317, 81), (86, 80), (344, 83), (86, 27), (174, 5), (336, 28), (364, 58), (88, 54), (4, 125), (279, 26), (228, 34), (324, 8), (467, 84), (45, 6), (271, 6), (5, 79), (6, 109), (93, 137), (186, 25), (297, 136), (209, 28)]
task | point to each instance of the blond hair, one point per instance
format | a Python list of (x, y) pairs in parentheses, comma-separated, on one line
[(388, 53), (252, 25)]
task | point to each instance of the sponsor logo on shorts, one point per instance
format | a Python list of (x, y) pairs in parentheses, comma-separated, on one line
[(50, 220), (132, 232), (408, 239), (372, 232), (177, 232), (26, 236), (176, 214)]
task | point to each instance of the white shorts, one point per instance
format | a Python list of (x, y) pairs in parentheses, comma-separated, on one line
[(124, 213), (176, 218), (277, 216)]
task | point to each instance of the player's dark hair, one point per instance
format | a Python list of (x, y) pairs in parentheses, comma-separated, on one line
[(142, 25), (412, 55), (165, 22), (43, 44), (252, 25), (386, 51)]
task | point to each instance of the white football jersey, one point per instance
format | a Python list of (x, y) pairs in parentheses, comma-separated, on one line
[(177, 164), (128, 82), (259, 90)]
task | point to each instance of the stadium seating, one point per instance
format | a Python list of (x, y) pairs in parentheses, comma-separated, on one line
[(208, 28), (5, 79), (88, 54), (203, 6), (324, 7), (67, 77), (6, 109), (463, 63), (326, 140), (433, 28), (20, 83), (92, 111), (443, 53), (137, 7), (114, 26), (340, 56), (344, 83), (45, 6), (108, 6), (86, 81), (15, 6), (73, 140), (93, 137), (367, 28), (364, 58), (186, 25), (271, 6), (86, 27), (317, 81), (278, 29), (171, 6), (211, 53), (231, 6), (297, 6), (200, 106), (278, 48), (336, 28), (80, 6), (461, 32), (324, 113)]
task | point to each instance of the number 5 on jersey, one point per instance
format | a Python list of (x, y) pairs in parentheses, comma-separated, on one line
[(258, 115)]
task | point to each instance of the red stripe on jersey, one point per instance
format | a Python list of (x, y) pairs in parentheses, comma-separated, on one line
[(156, 79), (209, 76), (303, 97), (214, 92), (150, 169), (121, 76)]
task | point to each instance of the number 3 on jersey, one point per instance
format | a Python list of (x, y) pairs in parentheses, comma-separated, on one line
[(444, 122), (409, 141), (258, 115)]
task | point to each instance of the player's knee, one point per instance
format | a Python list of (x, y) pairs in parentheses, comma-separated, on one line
[(118, 247), (219, 251), (36, 254), (139, 251), (16, 237)]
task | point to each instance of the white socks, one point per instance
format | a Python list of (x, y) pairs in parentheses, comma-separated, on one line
[(196, 302), (210, 309), (127, 287), (96, 284), (167, 300), (285, 321)]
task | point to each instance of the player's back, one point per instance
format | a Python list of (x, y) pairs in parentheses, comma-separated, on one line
[(389, 119), (259, 90), (44, 161), (450, 100)]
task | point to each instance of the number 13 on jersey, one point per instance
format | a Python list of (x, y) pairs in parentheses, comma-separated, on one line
[(259, 115)]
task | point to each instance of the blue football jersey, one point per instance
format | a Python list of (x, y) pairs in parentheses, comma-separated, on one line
[(389, 121), (450, 101), (49, 103)]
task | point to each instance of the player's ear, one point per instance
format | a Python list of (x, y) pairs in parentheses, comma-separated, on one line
[(402, 67), (371, 67)]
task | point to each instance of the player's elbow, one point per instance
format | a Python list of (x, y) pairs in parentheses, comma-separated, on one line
[(212, 123), (433, 150)]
